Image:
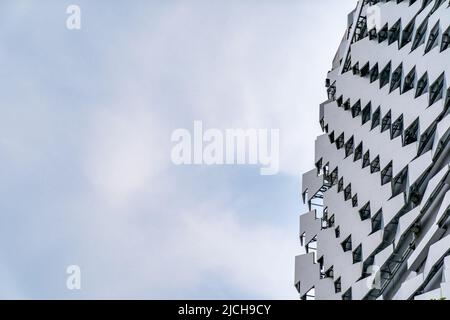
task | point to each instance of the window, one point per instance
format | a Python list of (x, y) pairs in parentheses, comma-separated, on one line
[(337, 286), (364, 212), (447, 101), (374, 73), (412, 133), (377, 221), (396, 81), (420, 35), (357, 254), (331, 222), (386, 122), (337, 232), (329, 273), (385, 76), (341, 184), (340, 141), (410, 80), (376, 118), (347, 104), (375, 165), (331, 137), (426, 140), (355, 201), (356, 109), (407, 34), (310, 295), (399, 183), (366, 159), (422, 85), (347, 244), (433, 38), (373, 34), (437, 90), (383, 34), (397, 128), (297, 286), (367, 113), (394, 32), (334, 177), (445, 40), (358, 152), (349, 147), (386, 174), (319, 166), (347, 295), (355, 69), (348, 192), (365, 70)]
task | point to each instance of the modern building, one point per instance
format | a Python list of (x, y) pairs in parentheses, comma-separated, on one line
[(378, 198)]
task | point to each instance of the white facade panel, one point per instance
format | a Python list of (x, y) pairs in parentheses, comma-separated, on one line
[(380, 189)]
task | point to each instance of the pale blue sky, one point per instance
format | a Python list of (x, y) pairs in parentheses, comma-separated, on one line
[(85, 124)]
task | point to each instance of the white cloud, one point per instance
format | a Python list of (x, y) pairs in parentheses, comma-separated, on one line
[(140, 226), (194, 252), (251, 258), (245, 67), (124, 153)]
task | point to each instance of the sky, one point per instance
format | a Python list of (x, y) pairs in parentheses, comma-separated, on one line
[(86, 118)]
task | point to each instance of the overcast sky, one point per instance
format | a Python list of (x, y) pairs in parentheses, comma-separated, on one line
[(85, 124)]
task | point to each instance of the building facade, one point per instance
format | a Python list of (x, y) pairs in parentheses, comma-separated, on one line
[(378, 197)]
